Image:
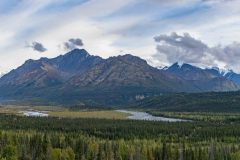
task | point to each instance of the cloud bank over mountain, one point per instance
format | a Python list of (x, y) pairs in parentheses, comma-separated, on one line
[(73, 43), (187, 49)]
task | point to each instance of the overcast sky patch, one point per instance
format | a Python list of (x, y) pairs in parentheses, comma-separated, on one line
[(108, 26)]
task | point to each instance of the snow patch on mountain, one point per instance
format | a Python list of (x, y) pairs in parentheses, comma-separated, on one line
[(1, 74), (222, 72)]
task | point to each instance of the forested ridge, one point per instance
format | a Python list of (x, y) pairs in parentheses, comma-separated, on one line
[(62, 138), (192, 102)]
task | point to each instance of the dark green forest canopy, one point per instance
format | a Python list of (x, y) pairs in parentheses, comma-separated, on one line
[(78, 139), (127, 129)]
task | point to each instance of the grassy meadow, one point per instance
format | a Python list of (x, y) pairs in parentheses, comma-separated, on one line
[(55, 111), (89, 114)]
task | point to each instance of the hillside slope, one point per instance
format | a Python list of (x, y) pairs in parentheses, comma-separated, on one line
[(193, 102)]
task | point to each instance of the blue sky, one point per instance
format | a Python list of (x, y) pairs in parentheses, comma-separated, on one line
[(113, 27)]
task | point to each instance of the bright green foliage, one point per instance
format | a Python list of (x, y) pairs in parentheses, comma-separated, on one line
[(9, 152), (60, 154)]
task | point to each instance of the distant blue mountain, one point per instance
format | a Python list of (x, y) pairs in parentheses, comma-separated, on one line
[(233, 77), (204, 79), (228, 74)]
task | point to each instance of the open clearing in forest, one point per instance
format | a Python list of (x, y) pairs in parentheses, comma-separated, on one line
[(90, 114)]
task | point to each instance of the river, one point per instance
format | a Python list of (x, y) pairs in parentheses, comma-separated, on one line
[(137, 115)]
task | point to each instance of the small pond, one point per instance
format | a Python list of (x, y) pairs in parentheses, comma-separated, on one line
[(35, 114)]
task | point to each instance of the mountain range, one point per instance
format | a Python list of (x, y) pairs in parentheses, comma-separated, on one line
[(78, 78), (209, 79)]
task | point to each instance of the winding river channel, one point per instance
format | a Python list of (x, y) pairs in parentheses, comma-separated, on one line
[(137, 115)]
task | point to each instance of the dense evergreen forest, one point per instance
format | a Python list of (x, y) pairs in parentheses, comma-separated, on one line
[(49, 138), (227, 117), (193, 102)]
